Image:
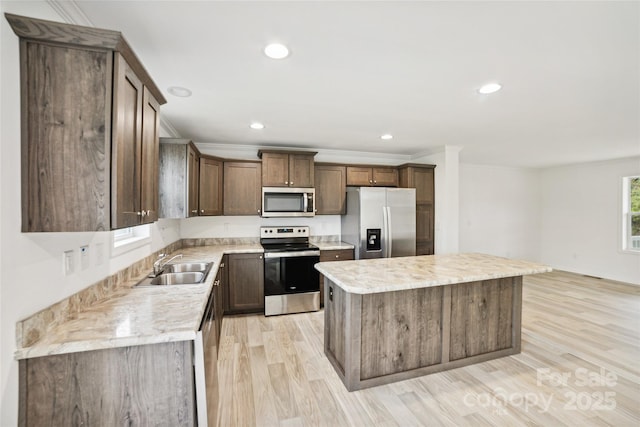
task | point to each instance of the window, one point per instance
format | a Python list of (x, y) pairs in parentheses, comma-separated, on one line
[(130, 238), (631, 213)]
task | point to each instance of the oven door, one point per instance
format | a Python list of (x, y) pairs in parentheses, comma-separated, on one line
[(291, 272)]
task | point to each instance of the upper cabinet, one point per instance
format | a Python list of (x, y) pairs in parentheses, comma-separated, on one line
[(210, 193), (331, 189), (367, 176), (287, 168), (179, 178), (421, 177), (242, 193), (90, 118)]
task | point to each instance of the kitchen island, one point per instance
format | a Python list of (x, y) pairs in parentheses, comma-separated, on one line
[(392, 319)]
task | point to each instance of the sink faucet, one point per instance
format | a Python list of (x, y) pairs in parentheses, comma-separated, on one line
[(158, 266)]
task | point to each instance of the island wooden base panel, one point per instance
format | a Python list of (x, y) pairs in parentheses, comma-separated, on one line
[(375, 339), (273, 371)]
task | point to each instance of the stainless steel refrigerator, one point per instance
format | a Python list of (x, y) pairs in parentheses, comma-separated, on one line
[(380, 222)]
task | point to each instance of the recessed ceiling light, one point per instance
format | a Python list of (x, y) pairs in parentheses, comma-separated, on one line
[(276, 51), (489, 88), (386, 136), (256, 125), (182, 92)]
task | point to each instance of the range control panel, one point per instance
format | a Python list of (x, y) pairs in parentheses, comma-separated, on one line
[(284, 232)]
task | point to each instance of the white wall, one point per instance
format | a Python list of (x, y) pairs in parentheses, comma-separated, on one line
[(31, 275), (249, 226), (500, 211), (446, 177), (581, 219)]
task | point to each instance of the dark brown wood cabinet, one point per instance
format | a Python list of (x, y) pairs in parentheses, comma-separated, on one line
[(368, 176), (333, 255), (245, 283), (242, 189), (421, 177), (89, 122), (287, 169), (210, 184), (331, 189)]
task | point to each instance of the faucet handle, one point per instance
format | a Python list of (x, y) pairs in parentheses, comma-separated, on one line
[(160, 256)]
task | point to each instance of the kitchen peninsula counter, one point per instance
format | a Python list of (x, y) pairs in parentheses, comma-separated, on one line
[(137, 315), (392, 319)]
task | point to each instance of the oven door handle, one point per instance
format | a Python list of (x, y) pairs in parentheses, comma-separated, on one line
[(291, 254)]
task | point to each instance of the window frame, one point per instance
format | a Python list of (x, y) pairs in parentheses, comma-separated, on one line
[(629, 243)]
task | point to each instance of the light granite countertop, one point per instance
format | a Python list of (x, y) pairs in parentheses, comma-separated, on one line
[(394, 274), (139, 315), (330, 246)]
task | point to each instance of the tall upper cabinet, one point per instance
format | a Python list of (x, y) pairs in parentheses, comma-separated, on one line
[(90, 129), (421, 177)]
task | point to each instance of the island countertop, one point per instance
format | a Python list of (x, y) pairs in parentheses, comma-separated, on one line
[(369, 276)]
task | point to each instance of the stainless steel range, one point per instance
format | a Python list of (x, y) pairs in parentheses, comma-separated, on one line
[(291, 284)]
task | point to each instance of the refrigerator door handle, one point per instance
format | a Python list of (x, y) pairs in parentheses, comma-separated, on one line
[(389, 235), (385, 233)]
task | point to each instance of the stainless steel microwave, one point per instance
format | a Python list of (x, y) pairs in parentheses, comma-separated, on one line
[(287, 202)]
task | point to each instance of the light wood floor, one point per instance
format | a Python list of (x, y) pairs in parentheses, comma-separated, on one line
[(579, 366)]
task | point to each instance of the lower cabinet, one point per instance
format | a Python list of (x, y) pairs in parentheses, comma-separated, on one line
[(245, 283), (139, 385), (333, 255)]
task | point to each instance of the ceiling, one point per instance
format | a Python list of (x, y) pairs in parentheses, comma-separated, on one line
[(570, 73)]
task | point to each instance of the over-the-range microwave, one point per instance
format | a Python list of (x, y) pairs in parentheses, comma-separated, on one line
[(287, 202)]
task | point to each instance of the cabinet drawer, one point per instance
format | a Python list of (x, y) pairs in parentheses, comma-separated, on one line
[(336, 255)]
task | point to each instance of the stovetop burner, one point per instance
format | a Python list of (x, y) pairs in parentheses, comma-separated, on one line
[(285, 239)]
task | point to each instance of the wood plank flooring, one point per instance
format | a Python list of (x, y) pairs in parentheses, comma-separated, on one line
[(579, 366)]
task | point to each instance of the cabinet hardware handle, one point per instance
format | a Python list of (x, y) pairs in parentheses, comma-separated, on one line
[(194, 211), (144, 213), (375, 182), (139, 213), (216, 283), (286, 183), (370, 182), (258, 210), (337, 256), (222, 265), (291, 183), (201, 210), (260, 256)]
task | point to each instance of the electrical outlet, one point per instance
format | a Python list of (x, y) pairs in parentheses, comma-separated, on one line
[(67, 262), (84, 257)]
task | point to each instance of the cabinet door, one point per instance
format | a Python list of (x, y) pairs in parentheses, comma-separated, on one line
[(193, 162), (246, 282), (359, 177), (126, 146), (301, 171), (385, 177), (210, 199), (331, 189), (150, 158), (242, 192), (275, 170)]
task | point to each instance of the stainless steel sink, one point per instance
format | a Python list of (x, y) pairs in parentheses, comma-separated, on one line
[(186, 267), (178, 278), (187, 273)]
